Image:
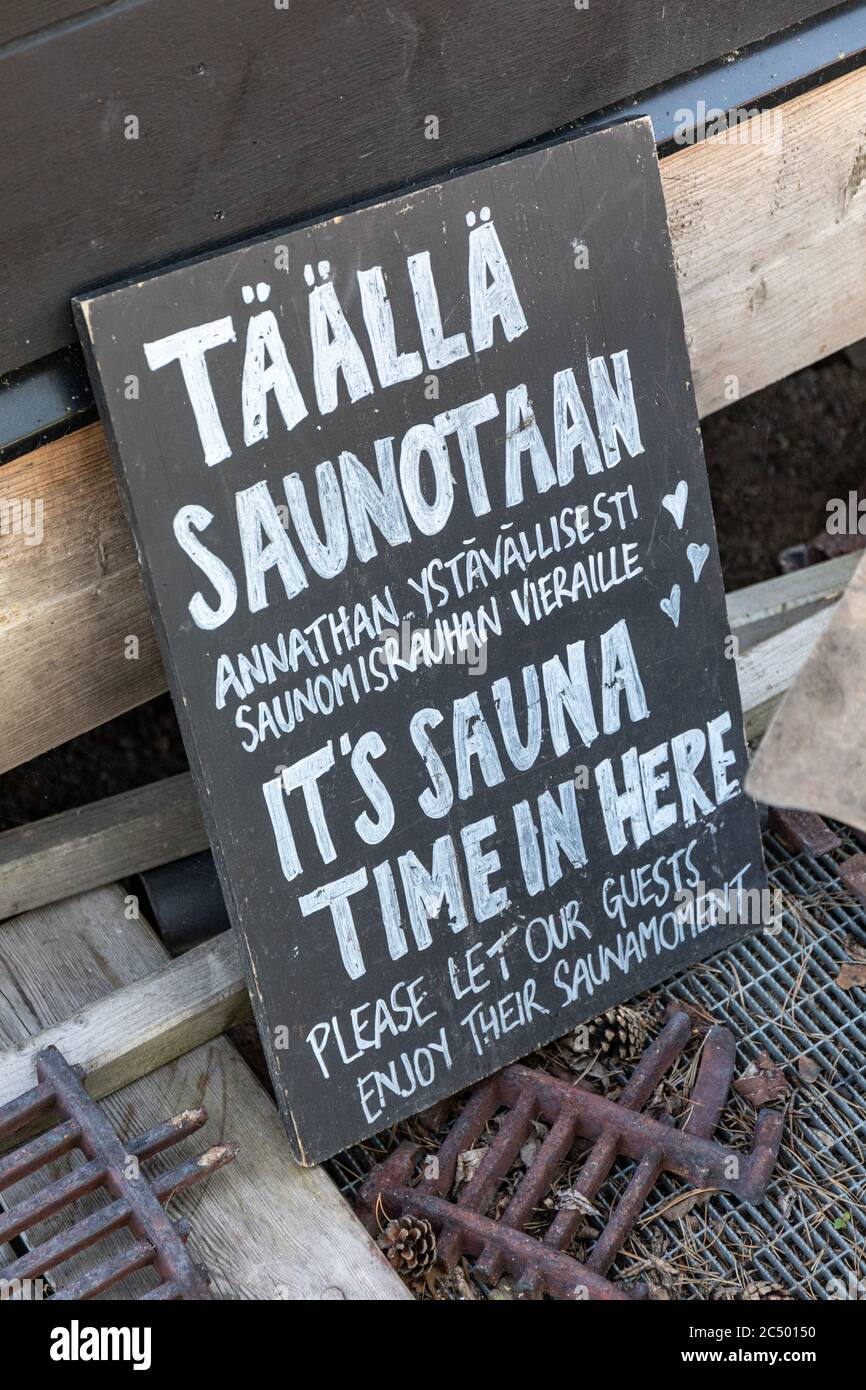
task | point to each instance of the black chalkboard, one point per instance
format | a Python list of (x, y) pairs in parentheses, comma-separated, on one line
[(421, 505)]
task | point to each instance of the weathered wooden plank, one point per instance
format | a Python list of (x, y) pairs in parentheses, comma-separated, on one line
[(96, 844), (760, 610), (255, 115), (766, 670), (768, 226), (813, 757), (157, 824), (768, 239), (265, 1228), (138, 1028), (70, 598)]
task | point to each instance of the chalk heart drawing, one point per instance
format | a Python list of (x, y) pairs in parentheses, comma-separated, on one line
[(676, 502), (671, 606), (697, 558)]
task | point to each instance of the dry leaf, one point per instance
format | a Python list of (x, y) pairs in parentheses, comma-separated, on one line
[(467, 1164), (851, 975), (660, 1292), (808, 1069), (461, 1283), (762, 1082), (572, 1200), (681, 1208), (764, 1290), (758, 1290), (856, 949), (528, 1152)]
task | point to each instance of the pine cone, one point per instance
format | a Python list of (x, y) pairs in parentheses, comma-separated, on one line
[(409, 1245), (620, 1032)]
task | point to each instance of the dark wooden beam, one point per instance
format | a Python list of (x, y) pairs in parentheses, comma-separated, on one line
[(252, 116)]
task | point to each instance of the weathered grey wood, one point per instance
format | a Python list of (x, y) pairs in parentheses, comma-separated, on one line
[(768, 230), (96, 844), (143, 1025), (766, 670), (76, 642), (265, 1228), (121, 835), (814, 756), (253, 115), (761, 610)]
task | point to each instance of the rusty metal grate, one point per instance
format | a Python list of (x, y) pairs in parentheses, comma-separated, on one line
[(780, 996), (135, 1204), (613, 1129)]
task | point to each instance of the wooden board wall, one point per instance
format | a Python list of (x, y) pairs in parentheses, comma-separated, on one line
[(259, 114), (768, 237)]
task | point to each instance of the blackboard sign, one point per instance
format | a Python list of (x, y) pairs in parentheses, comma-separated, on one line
[(422, 509)]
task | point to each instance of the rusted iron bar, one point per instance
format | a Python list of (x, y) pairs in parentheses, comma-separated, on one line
[(137, 1204), (61, 1193), (627, 1210), (614, 1128), (656, 1059), (26, 1160), (111, 1271), (165, 1185), (48, 1200), (91, 1229), (166, 1293), (25, 1109), (712, 1084)]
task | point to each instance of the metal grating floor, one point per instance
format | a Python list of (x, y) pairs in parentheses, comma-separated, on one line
[(778, 994)]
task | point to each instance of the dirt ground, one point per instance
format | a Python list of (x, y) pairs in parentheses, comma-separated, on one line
[(776, 457), (773, 459)]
